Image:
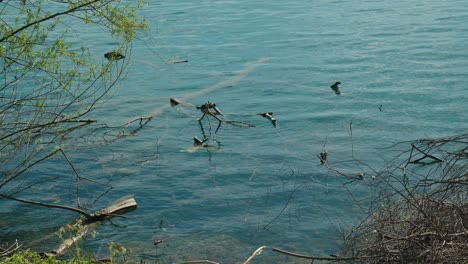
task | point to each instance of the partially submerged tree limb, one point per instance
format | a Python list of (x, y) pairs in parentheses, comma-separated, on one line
[(199, 262), (67, 243), (121, 206), (419, 215), (336, 258), (255, 253), (10, 250)]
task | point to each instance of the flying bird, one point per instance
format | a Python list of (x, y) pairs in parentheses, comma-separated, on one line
[(269, 115), (335, 88), (113, 55)]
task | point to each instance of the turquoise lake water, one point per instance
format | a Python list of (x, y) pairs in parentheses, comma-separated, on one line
[(404, 72)]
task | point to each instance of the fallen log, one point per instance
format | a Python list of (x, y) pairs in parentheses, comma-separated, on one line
[(116, 209), (67, 243), (83, 228)]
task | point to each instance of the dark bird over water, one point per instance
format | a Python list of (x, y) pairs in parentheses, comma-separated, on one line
[(113, 55), (323, 157), (335, 88), (269, 115), (197, 141)]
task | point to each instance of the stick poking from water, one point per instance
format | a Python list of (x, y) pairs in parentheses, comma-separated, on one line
[(256, 253)]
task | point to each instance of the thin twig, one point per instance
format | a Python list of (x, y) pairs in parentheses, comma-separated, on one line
[(256, 253), (10, 250), (46, 204), (320, 258), (426, 155), (286, 205), (200, 262), (47, 18), (10, 178)]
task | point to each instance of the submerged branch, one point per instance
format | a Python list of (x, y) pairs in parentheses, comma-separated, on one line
[(10, 250), (337, 258), (254, 254), (118, 208), (200, 262)]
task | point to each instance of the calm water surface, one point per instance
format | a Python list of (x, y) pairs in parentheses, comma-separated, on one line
[(264, 185)]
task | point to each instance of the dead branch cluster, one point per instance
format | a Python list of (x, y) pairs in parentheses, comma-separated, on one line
[(9, 249), (421, 231), (210, 110), (421, 212)]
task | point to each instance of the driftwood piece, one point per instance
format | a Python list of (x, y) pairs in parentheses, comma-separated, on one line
[(254, 254), (331, 258), (118, 208), (67, 243), (200, 262)]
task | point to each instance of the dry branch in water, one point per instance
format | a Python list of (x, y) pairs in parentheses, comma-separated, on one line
[(254, 254), (331, 258), (419, 213), (4, 252), (200, 262), (422, 211), (85, 227)]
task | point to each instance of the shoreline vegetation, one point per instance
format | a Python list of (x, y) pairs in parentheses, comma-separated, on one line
[(49, 86)]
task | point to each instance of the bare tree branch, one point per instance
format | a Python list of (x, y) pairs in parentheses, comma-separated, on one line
[(71, 10), (46, 204)]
